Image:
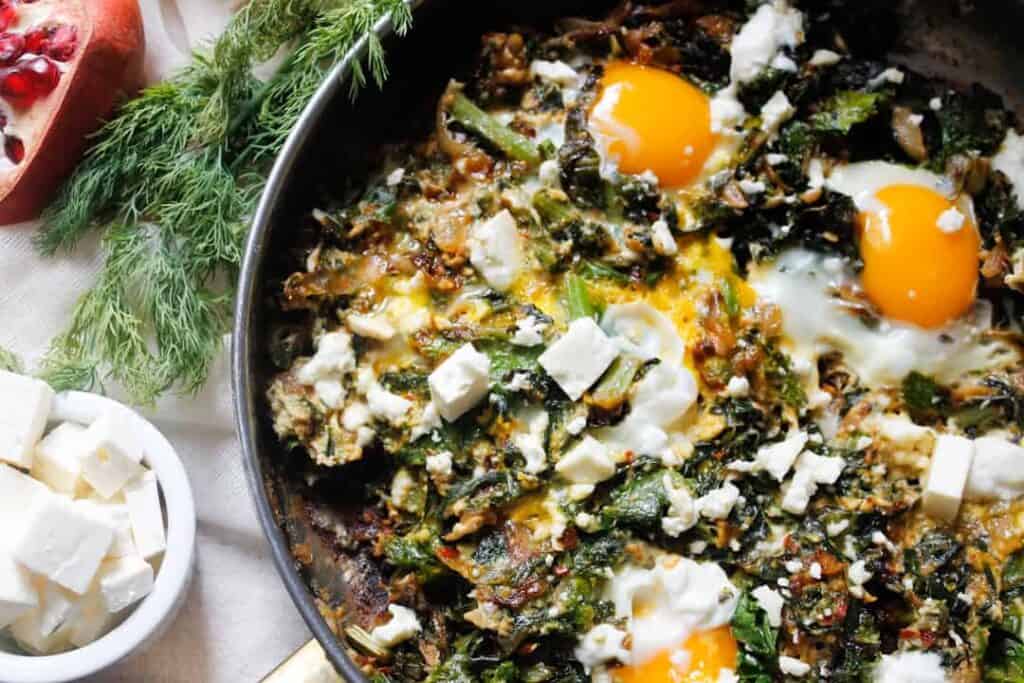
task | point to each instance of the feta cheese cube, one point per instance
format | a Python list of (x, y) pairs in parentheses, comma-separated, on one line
[(124, 581), (90, 619), (142, 498), (997, 470), (115, 512), (589, 463), (403, 626), (64, 541), (39, 630), (579, 357), (17, 594), (110, 454), (17, 491), (793, 666), (460, 382), (57, 462), (24, 409), (944, 489), (495, 250)]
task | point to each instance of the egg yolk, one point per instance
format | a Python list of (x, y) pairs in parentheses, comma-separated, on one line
[(700, 659), (914, 271), (649, 119)]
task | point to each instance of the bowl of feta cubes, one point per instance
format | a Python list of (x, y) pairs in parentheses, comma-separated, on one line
[(97, 539)]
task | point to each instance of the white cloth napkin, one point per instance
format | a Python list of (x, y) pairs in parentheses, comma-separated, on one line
[(237, 622)]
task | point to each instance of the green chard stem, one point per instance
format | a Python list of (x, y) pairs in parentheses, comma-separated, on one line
[(515, 146)]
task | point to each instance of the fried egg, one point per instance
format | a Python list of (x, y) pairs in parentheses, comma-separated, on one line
[(649, 119), (806, 285), (918, 240), (676, 616)]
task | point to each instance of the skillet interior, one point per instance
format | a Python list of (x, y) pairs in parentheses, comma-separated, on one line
[(946, 39)]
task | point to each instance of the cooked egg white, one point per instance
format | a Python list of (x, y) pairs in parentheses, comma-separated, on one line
[(918, 240), (676, 616), (804, 285)]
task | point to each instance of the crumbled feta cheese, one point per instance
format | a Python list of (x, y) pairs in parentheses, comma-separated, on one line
[(142, 498), (811, 471), (815, 571), (776, 159), (947, 477), (529, 331), (935, 104), (717, 504), (576, 425), (890, 75), (386, 405), (558, 73), (334, 358), (951, 220), (601, 644), (776, 458), (370, 326), (403, 626), (682, 510), (403, 485), (996, 470), (549, 173), (430, 419), (531, 440), (63, 540), (880, 539), (1010, 160), (57, 462), (355, 415), (824, 58), (793, 667), (579, 357), (919, 667), (588, 462), (24, 409), (755, 46), (124, 581), (771, 601), (440, 464), (751, 187), (775, 112), (726, 111), (738, 387), (495, 250), (794, 566), (662, 239), (110, 453), (460, 382), (783, 63), (395, 177), (836, 528), (17, 594)]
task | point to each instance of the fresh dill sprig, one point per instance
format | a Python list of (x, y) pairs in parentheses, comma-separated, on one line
[(172, 181), (9, 361)]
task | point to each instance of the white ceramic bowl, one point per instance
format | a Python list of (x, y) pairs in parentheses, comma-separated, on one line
[(151, 616)]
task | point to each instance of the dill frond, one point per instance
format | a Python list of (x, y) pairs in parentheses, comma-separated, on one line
[(9, 361), (172, 181)]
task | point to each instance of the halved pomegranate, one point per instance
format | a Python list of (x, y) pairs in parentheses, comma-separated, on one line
[(64, 65)]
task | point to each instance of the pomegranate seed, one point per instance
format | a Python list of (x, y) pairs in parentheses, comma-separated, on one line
[(12, 46), (57, 41), (29, 80), (8, 14), (14, 148)]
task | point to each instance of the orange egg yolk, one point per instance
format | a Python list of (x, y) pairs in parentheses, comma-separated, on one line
[(700, 659), (649, 119), (914, 271)]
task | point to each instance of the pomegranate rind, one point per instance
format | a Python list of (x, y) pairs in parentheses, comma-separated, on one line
[(106, 68)]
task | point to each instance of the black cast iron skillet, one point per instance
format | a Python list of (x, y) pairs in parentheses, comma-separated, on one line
[(960, 41)]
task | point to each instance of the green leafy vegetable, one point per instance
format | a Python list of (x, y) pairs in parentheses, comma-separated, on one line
[(758, 641), (511, 143), (578, 300), (613, 388), (8, 361), (639, 502), (844, 110), (925, 399), (172, 181)]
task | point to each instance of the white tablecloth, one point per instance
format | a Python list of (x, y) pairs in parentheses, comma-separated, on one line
[(237, 622)]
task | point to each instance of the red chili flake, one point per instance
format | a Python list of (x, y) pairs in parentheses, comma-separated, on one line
[(448, 552)]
